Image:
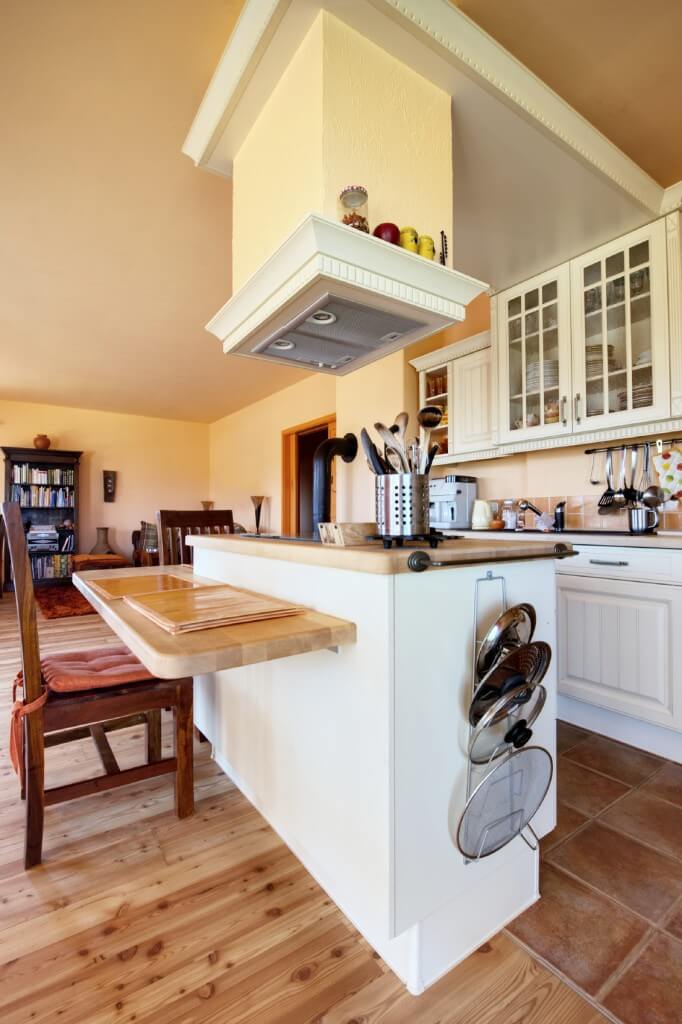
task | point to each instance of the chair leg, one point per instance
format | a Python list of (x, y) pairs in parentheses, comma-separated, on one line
[(153, 735), (34, 755), (184, 750)]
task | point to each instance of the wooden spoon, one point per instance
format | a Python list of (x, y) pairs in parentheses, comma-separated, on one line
[(428, 418)]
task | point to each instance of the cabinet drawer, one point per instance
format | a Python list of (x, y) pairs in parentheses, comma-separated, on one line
[(620, 646), (661, 565)]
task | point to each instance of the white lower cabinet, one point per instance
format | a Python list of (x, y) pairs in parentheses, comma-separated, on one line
[(620, 646)]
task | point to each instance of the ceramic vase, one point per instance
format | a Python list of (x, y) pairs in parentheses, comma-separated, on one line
[(102, 546), (41, 442)]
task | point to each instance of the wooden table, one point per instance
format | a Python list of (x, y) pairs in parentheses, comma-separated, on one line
[(209, 650)]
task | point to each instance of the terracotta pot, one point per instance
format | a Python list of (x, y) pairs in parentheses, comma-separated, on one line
[(102, 547), (207, 505), (42, 442)]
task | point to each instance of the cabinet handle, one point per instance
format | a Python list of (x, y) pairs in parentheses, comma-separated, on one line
[(576, 408), (601, 561), (564, 420)]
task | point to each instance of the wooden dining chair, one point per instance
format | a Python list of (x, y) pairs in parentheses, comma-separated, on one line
[(174, 528), (71, 695)]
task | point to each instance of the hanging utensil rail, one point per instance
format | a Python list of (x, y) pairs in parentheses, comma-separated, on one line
[(641, 444)]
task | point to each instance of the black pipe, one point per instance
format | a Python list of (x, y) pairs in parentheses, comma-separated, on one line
[(347, 448)]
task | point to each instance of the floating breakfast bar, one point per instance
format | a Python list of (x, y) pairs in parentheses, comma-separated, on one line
[(357, 753)]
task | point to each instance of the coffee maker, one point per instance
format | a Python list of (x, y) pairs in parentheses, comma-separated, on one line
[(451, 499)]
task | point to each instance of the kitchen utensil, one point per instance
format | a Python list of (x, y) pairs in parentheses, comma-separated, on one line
[(371, 453), (429, 417), (639, 521), (402, 504), (505, 724), (505, 802), (511, 629), (433, 451), (606, 501), (631, 493), (401, 422), (416, 459), (619, 498), (393, 444), (652, 494), (528, 663), (592, 479)]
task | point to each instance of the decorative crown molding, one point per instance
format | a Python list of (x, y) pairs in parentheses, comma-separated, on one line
[(269, 32)]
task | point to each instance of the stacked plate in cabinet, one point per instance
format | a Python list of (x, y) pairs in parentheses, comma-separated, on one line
[(512, 777), (547, 371)]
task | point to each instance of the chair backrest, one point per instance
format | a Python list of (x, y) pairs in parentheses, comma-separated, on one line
[(174, 527), (15, 538)]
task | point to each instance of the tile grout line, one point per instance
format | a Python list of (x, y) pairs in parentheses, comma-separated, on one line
[(565, 978), (626, 963), (612, 899)]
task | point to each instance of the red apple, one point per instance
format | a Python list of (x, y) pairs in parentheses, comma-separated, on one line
[(389, 233)]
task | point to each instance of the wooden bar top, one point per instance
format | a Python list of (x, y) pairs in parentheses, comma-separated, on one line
[(372, 557), (206, 650)]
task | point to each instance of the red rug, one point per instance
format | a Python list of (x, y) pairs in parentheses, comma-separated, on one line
[(61, 601)]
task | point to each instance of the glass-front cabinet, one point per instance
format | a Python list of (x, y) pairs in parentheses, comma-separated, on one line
[(620, 331), (533, 329)]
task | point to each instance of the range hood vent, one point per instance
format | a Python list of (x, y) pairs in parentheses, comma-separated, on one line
[(333, 299)]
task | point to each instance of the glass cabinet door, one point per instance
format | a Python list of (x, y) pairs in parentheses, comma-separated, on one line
[(621, 340), (535, 361)]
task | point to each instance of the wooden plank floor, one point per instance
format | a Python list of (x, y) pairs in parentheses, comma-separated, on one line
[(136, 916)]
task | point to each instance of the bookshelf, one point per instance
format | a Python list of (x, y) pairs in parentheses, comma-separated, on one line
[(45, 484)]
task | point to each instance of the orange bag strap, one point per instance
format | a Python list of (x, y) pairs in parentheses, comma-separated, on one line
[(16, 731)]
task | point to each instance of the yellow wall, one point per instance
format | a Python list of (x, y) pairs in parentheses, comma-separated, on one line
[(246, 448), (387, 128), (278, 169), (160, 463)]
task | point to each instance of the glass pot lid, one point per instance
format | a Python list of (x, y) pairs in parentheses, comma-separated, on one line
[(505, 724), (505, 802), (511, 629), (520, 669)]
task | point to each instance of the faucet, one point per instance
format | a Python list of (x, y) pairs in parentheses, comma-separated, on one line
[(559, 520)]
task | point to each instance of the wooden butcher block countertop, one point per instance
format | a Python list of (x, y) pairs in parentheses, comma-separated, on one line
[(204, 650), (374, 558)]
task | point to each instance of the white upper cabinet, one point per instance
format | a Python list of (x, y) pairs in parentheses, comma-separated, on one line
[(620, 332), (472, 402), (459, 379), (534, 352)]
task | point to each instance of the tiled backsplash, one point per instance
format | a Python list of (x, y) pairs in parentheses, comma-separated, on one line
[(582, 514)]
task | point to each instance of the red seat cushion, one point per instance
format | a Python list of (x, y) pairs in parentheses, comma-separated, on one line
[(93, 669)]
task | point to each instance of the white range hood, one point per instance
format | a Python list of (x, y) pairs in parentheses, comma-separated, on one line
[(332, 299)]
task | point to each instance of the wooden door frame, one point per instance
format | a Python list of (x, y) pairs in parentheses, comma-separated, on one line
[(290, 489)]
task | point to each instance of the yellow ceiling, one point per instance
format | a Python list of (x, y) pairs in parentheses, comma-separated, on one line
[(617, 62), (114, 248)]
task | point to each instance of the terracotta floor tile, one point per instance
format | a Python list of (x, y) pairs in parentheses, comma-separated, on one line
[(615, 759), (674, 925), (635, 875), (585, 790), (645, 817), (578, 931), (667, 784), (568, 820), (651, 989), (568, 735)]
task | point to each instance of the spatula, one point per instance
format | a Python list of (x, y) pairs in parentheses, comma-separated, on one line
[(606, 501)]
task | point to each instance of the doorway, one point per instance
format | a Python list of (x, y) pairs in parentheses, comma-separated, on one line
[(299, 445)]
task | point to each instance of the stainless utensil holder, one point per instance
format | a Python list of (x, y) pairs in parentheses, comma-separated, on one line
[(402, 504)]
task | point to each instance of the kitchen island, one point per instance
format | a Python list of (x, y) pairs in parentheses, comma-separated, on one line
[(358, 756)]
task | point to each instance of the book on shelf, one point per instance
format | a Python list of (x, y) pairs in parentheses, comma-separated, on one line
[(42, 496), (23, 473)]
